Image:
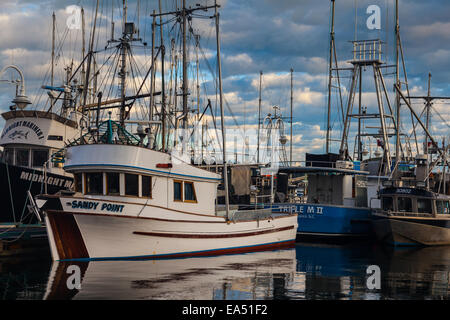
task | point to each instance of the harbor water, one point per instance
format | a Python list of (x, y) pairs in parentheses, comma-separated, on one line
[(308, 271)]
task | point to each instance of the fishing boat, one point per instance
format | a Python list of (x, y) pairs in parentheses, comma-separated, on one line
[(415, 204), (29, 139), (412, 217), (134, 202), (133, 199)]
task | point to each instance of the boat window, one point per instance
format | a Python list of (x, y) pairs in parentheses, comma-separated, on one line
[(189, 192), (113, 183), (147, 186), (404, 204), (8, 156), (388, 204), (177, 190), (78, 182), (94, 183), (424, 206), (22, 157), (39, 157), (442, 207), (131, 185)]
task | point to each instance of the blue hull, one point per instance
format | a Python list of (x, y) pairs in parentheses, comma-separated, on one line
[(327, 220)]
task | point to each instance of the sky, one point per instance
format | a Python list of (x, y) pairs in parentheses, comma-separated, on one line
[(256, 35)]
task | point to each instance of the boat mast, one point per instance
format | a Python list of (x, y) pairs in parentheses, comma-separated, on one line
[(259, 114), (123, 63), (185, 75), (90, 54), (52, 77), (330, 76), (83, 47), (397, 81), (152, 76), (428, 107), (292, 104), (222, 116), (163, 85)]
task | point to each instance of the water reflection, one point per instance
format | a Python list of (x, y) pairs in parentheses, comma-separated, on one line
[(308, 271), (245, 276)]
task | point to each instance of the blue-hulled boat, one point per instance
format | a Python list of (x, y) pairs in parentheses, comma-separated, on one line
[(335, 203)]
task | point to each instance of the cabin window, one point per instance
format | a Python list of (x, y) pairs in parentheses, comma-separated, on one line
[(39, 157), (23, 157), (147, 186), (78, 182), (189, 192), (94, 183), (404, 204), (424, 206), (113, 183), (131, 185), (442, 207), (8, 156), (177, 190), (388, 204)]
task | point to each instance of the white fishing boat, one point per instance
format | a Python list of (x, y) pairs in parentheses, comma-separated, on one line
[(133, 202), (134, 198)]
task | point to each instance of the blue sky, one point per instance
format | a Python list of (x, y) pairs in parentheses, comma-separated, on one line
[(259, 35)]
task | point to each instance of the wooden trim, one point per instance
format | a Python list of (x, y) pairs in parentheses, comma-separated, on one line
[(211, 236), (68, 239)]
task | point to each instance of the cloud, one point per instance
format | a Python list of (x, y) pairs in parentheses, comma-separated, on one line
[(256, 35)]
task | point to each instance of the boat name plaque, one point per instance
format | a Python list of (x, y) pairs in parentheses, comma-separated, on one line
[(92, 205)]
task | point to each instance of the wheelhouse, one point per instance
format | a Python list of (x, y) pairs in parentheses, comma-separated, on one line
[(412, 201)]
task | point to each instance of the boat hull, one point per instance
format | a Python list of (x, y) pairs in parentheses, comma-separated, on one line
[(95, 236), (16, 181), (326, 221), (412, 231)]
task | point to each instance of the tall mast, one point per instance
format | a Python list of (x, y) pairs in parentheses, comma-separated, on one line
[(163, 85), (222, 116), (83, 45), (152, 80), (185, 75), (197, 43), (330, 76), (292, 104), (259, 114), (428, 107), (397, 81), (123, 63), (52, 77), (90, 53)]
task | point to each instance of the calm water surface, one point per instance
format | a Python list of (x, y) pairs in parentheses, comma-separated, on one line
[(308, 271)]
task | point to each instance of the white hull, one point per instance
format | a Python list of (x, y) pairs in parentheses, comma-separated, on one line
[(160, 233)]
